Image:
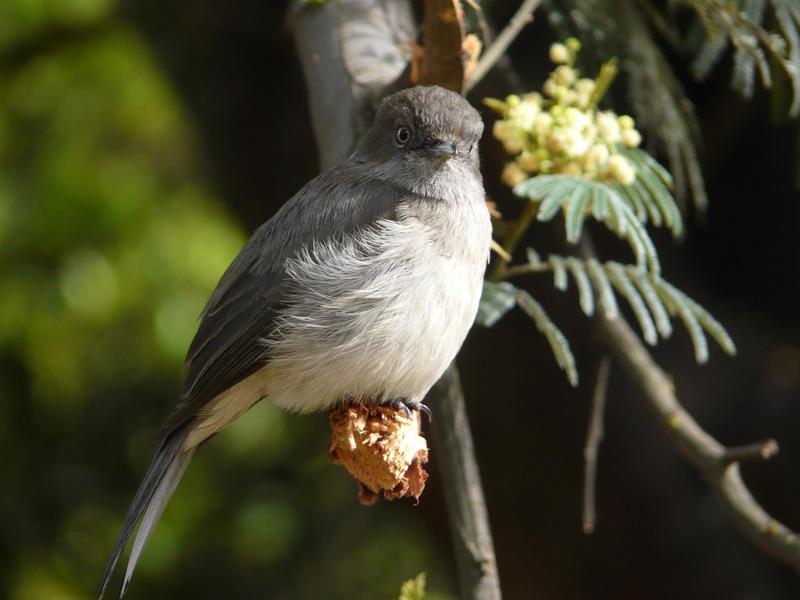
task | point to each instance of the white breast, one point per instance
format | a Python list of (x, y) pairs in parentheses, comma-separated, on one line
[(382, 315)]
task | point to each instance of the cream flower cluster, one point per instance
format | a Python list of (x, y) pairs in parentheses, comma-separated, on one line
[(561, 131)]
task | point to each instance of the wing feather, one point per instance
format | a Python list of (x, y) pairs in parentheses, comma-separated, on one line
[(230, 341)]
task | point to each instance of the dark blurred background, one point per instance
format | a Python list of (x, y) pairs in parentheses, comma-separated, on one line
[(141, 142)]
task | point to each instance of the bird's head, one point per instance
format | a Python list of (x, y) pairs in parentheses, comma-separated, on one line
[(423, 130)]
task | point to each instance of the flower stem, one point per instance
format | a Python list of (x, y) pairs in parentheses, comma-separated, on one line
[(512, 239)]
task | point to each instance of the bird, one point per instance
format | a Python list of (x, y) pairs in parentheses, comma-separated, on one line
[(362, 287)]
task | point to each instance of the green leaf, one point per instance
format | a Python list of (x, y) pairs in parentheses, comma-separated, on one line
[(641, 280), (413, 589), (676, 303), (578, 201), (579, 197), (713, 327), (789, 28), (599, 204), (585, 293), (556, 198), (651, 299), (496, 300), (618, 218), (559, 271), (652, 183), (605, 294), (636, 203), (558, 343), (537, 187), (653, 165), (620, 281), (653, 208)]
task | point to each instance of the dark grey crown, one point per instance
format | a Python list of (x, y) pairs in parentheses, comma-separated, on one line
[(430, 113)]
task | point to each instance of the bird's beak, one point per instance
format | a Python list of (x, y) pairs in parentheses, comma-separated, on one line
[(443, 149)]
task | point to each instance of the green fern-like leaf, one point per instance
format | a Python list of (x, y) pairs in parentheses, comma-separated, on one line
[(559, 271), (675, 302), (575, 212), (603, 289), (660, 103), (583, 283), (558, 343), (787, 14), (532, 256), (651, 299), (577, 198), (623, 285), (496, 300), (654, 305), (653, 184), (740, 24)]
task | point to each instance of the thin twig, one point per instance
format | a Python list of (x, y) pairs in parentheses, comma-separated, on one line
[(483, 24), (513, 237), (523, 16), (594, 435), (698, 447), (525, 269), (763, 450)]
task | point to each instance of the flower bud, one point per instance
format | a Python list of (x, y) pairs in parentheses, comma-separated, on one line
[(585, 86), (597, 156), (496, 105), (620, 168), (559, 54), (527, 161), (607, 126), (626, 122), (570, 169), (565, 75), (512, 174), (573, 45), (631, 138)]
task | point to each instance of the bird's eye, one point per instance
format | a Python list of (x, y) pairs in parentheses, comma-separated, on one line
[(402, 136)]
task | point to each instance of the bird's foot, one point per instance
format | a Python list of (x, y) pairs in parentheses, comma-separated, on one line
[(407, 406)]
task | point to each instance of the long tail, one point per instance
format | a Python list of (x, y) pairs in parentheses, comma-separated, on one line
[(154, 492)]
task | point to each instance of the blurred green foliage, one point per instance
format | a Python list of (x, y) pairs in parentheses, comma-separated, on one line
[(111, 239)]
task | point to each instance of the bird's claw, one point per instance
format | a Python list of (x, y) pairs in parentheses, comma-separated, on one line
[(407, 407)]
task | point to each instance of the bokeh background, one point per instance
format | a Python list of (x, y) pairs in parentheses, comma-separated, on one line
[(140, 143)]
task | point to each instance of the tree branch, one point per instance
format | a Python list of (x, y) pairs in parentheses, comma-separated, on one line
[(594, 436), (463, 493), (350, 51), (523, 16), (709, 457)]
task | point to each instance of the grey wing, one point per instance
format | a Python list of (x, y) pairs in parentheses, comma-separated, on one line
[(229, 343)]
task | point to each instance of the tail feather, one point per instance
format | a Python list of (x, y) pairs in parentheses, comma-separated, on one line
[(154, 492)]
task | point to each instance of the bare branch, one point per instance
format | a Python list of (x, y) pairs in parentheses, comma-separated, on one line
[(444, 60), (486, 30), (710, 457), (758, 451), (463, 493), (594, 436), (523, 16), (350, 51)]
